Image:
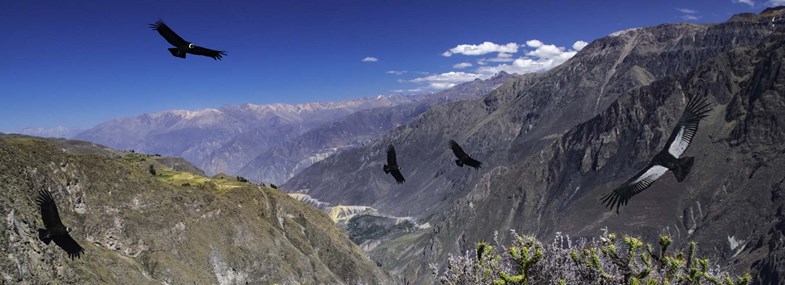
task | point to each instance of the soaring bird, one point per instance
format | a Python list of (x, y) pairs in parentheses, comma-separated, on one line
[(463, 158), (392, 165), (55, 230), (183, 47), (667, 159)]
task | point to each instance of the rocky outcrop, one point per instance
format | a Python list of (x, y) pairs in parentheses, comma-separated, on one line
[(172, 228)]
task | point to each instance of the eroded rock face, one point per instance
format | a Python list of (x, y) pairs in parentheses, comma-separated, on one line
[(552, 143), (142, 229)]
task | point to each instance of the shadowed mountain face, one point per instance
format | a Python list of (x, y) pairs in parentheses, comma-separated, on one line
[(551, 143), (175, 227)]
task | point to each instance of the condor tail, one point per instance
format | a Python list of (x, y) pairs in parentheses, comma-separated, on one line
[(43, 235), (683, 168), (176, 53)]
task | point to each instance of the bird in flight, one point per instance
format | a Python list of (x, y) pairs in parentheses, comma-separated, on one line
[(181, 46), (55, 230), (667, 159), (392, 165), (463, 158)]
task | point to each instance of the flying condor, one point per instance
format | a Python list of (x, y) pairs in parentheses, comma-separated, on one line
[(55, 230), (392, 165), (667, 159), (181, 46), (463, 158)]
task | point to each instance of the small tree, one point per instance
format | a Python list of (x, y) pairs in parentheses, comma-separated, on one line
[(152, 170)]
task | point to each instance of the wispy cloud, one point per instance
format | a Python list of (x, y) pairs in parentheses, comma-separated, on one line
[(773, 2), (396, 72), (461, 65), (483, 48), (769, 3), (370, 59), (688, 14), (748, 2), (689, 17)]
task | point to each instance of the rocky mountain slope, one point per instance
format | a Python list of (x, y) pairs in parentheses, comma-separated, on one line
[(176, 227), (283, 161), (551, 143)]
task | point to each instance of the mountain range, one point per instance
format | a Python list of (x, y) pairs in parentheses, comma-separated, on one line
[(552, 143), (270, 143)]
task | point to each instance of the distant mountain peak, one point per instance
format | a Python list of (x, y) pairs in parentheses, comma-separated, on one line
[(501, 74)]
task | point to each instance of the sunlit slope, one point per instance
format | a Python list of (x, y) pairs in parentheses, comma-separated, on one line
[(172, 227)]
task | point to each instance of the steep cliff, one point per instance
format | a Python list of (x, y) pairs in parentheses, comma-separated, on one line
[(552, 142)]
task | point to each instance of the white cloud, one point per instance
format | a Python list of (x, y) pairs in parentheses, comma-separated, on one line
[(501, 57), (579, 45), (447, 79), (540, 57), (689, 17), (547, 51), (483, 48), (748, 2), (461, 65), (396, 72), (688, 14), (370, 59), (534, 43), (771, 3), (520, 66)]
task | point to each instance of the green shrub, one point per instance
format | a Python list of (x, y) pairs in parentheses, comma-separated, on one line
[(609, 260)]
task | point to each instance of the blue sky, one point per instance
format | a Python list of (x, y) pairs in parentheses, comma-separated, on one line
[(78, 63)]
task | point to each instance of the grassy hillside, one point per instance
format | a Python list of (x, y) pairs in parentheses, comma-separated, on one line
[(173, 227)]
